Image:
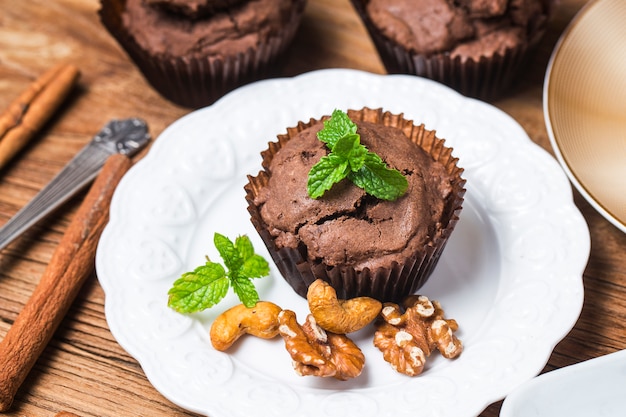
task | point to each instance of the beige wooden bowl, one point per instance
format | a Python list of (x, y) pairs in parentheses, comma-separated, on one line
[(585, 106)]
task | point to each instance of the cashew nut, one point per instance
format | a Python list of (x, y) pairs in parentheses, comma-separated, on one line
[(340, 316), (260, 320)]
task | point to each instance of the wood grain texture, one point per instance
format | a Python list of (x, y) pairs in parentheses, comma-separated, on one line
[(83, 370), (71, 264)]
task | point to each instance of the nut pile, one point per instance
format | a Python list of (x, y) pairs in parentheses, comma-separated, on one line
[(406, 335)]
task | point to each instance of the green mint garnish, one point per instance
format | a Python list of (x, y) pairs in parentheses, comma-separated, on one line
[(208, 284), (349, 159)]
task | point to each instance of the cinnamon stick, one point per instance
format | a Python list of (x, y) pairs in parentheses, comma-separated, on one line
[(27, 114), (71, 264)]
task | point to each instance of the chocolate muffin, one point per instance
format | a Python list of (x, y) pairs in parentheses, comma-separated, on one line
[(361, 245), (194, 52), (193, 9), (473, 46)]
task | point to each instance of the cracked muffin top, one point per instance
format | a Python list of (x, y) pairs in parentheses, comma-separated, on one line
[(346, 226), (204, 28), (465, 28), (194, 9)]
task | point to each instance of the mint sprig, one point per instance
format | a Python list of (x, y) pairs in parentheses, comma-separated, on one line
[(348, 158), (208, 284)]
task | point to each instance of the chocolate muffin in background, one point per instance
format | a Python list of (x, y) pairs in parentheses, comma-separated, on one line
[(359, 244), (194, 9), (193, 52), (476, 47)]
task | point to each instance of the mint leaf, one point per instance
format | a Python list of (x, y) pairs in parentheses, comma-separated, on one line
[(255, 267), (227, 251), (337, 126), (244, 288), (200, 289), (349, 158), (329, 170), (207, 285), (378, 180), (349, 148), (244, 247)]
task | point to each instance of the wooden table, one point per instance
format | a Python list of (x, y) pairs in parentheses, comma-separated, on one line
[(83, 369)]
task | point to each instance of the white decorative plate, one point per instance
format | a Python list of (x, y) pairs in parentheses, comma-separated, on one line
[(511, 274), (591, 388)]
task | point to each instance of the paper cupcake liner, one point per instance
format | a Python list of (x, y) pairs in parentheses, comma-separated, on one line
[(487, 78), (196, 82), (385, 284)]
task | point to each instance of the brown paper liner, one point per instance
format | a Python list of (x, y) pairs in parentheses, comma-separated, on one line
[(487, 78), (197, 82), (385, 284)]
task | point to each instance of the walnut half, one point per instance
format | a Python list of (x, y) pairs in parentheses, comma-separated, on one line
[(407, 339), (317, 352)]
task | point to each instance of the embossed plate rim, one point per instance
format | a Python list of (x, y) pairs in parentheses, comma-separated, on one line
[(539, 240)]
